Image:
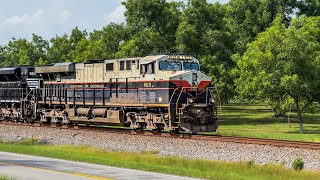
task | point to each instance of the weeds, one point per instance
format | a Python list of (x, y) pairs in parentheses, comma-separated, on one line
[(151, 161), (3, 177), (298, 164)]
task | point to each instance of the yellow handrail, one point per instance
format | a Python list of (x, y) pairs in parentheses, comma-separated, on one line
[(173, 94), (178, 99)]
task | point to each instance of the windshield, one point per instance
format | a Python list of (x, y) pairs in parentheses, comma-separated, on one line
[(170, 66), (191, 66)]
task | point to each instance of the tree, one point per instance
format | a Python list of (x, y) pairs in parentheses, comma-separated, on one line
[(59, 49), (17, 52), (247, 18), (101, 44), (155, 18), (63, 48), (39, 48), (199, 20), (308, 7), (283, 62), (141, 44)]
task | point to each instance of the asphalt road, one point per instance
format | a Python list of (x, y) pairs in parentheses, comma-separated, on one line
[(25, 167)]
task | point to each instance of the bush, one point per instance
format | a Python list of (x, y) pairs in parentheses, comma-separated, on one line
[(298, 164), (250, 163)]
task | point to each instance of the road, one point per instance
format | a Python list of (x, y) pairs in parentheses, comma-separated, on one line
[(25, 167)]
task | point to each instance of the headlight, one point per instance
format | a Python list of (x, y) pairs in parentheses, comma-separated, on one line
[(211, 101), (190, 101)]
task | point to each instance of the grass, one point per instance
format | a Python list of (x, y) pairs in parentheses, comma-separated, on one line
[(258, 121), (150, 161), (2, 177)]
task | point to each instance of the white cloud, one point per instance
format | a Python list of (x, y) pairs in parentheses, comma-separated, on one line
[(14, 20), (38, 14), (116, 16), (24, 19), (40, 22), (65, 14)]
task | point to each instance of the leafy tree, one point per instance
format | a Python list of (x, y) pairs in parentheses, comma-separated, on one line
[(17, 52), (247, 18), (40, 47), (63, 48), (75, 38), (283, 62), (59, 49), (308, 7), (152, 18), (102, 44), (141, 44), (198, 19)]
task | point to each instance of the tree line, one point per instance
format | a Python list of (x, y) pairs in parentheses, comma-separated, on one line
[(253, 49)]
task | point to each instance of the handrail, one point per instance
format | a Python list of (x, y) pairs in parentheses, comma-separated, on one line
[(178, 99), (173, 94)]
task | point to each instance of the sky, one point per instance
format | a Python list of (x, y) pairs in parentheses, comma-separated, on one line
[(48, 18)]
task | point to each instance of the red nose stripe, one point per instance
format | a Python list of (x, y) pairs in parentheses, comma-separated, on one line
[(181, 83), (203, 84)]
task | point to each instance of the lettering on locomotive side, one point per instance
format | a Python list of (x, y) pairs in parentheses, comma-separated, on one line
[(148, 84), (76, 86), (96, 85)]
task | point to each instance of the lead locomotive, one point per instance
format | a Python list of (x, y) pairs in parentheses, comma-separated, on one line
[(160, 92)]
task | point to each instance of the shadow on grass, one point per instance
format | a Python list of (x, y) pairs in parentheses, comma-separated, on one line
[(253, 115)]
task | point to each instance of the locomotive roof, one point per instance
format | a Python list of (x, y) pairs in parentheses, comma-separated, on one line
[(149, 59), (57, 67), (8, 70), (69, 66), (62, 64)]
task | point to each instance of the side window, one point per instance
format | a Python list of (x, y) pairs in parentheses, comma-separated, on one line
[(142, 69), (137, 64), (121, 65), (109, 67), (151, 68), (128, 65), (147, 68)]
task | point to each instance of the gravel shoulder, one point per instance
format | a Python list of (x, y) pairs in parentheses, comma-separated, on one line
[(194, 149)]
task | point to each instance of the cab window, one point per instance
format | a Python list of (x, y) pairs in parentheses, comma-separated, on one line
[(190, 66), (170, 66)]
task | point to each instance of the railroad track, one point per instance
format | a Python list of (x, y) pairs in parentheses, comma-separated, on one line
[(244, 140)]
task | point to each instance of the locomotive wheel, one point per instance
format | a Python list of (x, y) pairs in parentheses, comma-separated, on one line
[(175, 131), (140, 127), (159, 128)]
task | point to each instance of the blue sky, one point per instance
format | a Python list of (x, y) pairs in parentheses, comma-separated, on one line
[(21, 18)]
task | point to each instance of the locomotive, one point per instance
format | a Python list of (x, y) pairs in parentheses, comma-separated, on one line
[(159, 92)]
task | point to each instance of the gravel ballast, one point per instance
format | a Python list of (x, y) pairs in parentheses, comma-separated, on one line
[(195, 149)]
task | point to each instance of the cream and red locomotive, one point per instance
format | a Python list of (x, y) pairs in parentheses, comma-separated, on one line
[(160, 92)]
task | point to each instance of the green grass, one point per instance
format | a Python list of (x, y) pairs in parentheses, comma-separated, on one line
[(258, 121), (150, 161), (2, 177)]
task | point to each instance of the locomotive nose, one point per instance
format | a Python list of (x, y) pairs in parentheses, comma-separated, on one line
[(192, 79)]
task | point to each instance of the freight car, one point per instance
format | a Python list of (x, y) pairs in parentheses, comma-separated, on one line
[(159, 92)]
